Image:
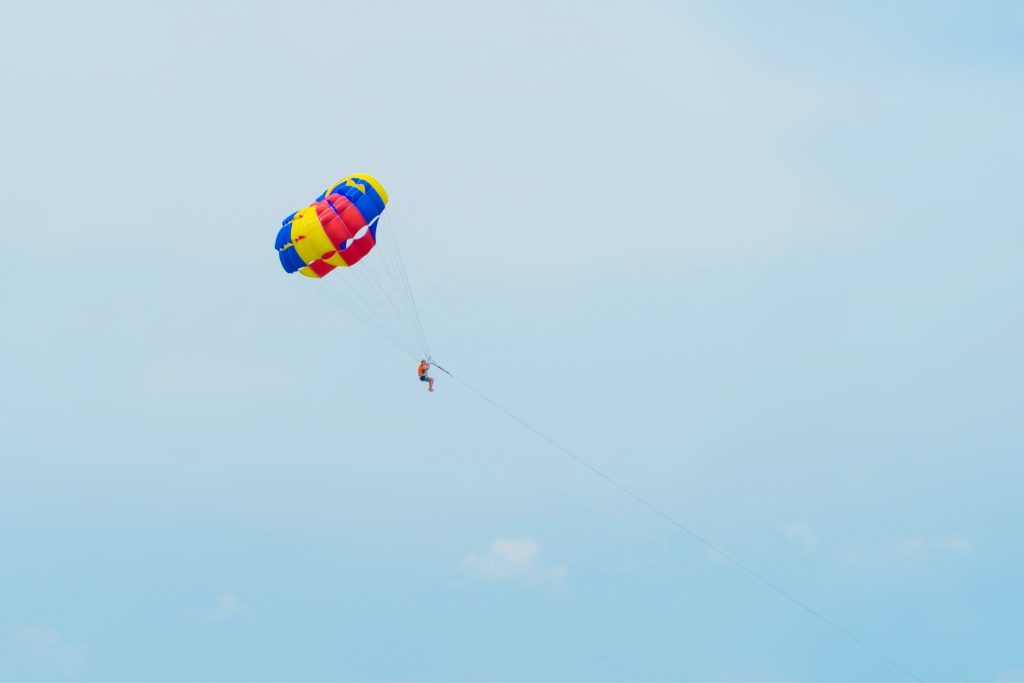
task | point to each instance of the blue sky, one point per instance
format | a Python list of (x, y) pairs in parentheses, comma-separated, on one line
[(759, 262)]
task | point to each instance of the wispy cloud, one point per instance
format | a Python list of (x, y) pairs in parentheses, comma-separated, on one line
[(226, 607), (958, 545), (801, 534), (46, 648), (1010, 676), (512, 559), (862, 554)]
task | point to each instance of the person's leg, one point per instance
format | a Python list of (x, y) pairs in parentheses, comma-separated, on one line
[(430, 384)]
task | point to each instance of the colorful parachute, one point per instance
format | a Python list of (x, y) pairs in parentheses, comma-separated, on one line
[(336, 230), (341, 228)]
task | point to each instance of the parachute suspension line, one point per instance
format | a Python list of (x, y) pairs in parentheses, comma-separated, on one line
[(386, 282), (692, 534), (407, 287), (374, 325), (359, 307), (378, 294), (389, 278), (400, 276), (392, 279), (384, 305), (390, 274)]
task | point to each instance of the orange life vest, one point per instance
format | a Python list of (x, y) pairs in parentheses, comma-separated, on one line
[(421, 369)]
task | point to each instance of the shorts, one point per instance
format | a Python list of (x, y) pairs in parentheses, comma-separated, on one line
[(424, 378)]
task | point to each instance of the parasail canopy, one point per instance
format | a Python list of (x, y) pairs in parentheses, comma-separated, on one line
[(341, 229), (337, 230)]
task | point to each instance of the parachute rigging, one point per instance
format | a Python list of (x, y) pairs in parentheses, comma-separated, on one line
[(347, 242)]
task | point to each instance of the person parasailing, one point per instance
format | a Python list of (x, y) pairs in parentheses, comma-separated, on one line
[(422, 370)]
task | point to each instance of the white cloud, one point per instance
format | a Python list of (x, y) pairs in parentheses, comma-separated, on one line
[(47, 649), (227, 607), (512, 559), (800, 533), (958, 545), (507, 558), (558, 574), (909, 548), (852, 554), (861, 554)]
